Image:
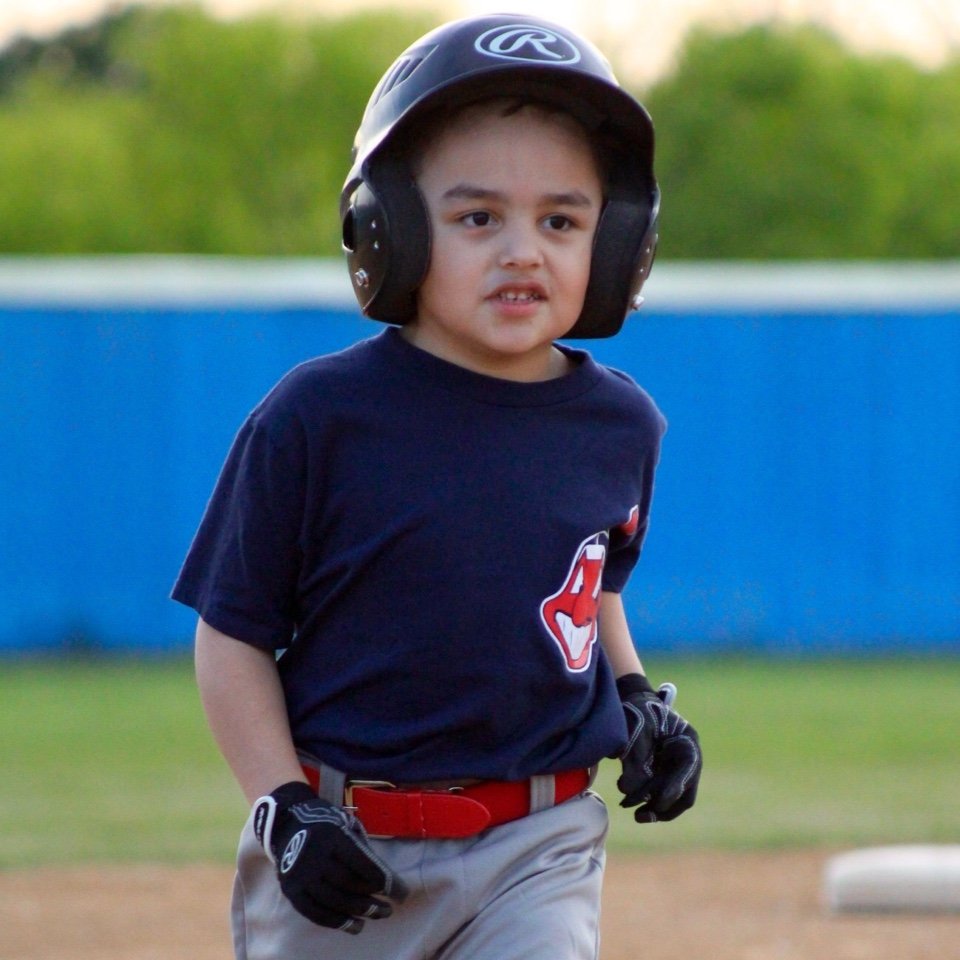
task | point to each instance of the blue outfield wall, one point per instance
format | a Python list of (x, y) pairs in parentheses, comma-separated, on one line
[(808, 498)]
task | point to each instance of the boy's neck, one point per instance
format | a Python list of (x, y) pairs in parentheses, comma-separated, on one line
[(535, 367)]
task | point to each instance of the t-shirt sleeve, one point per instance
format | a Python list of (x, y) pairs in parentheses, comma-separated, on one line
[(242, 569), (626, 540)]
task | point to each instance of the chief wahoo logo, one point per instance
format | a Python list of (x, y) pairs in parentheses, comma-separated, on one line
[(571, 614)]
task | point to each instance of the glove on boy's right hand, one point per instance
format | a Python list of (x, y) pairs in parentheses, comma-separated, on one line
[(324, 861), (662, 760)]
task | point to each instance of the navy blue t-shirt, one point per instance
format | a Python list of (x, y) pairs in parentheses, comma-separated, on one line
[(424, 547)]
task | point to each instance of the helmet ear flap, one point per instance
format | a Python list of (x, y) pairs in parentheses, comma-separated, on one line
[(386, 237), (647, 254), (623, 250)]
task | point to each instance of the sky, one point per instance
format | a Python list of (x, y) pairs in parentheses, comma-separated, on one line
[(641, 35)]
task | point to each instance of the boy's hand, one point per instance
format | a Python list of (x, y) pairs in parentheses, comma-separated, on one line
[(662, 760), (324, 862)]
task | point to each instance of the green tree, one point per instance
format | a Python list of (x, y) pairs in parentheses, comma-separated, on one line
[(777, 143), (165, 130)]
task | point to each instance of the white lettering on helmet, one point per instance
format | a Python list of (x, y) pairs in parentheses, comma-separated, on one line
[(522, 41)]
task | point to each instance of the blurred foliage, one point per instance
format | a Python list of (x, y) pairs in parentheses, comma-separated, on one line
[(165, 130), (776, 143)]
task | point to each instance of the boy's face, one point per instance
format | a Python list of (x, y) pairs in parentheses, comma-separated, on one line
[(513, 203)]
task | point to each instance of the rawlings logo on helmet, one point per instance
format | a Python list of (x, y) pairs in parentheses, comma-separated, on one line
[(527, 43)]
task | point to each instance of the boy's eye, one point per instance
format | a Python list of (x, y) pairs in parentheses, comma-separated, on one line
[(557, 221), (477, 218)]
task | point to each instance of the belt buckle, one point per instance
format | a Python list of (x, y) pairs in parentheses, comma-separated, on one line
[(348, 803), (369, 784)]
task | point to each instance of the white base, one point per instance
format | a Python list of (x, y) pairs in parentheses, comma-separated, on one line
[(902, 878)]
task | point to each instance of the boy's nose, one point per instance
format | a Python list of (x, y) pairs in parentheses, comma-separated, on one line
[(520, 249)]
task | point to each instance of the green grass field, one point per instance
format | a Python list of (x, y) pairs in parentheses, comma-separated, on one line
[(112, 761)]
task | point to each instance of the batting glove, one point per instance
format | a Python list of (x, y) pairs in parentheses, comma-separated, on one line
[(662, 760), (324, 861)]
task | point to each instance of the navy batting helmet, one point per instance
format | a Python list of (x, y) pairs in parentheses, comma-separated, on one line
[(386, 232)]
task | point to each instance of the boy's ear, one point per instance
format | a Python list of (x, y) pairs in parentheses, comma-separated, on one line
[(386, 237)]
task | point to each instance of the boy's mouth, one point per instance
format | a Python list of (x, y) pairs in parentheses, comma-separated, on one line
[(512, 296)]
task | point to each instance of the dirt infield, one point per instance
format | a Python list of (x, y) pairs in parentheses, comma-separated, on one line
[(689, 906)]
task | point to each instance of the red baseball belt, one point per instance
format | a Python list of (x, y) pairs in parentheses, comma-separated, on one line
[(388, 811)]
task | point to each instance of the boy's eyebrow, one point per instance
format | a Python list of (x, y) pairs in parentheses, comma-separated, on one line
[(469, 191)]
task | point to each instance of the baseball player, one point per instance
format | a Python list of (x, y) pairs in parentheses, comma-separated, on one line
[(412, 649)]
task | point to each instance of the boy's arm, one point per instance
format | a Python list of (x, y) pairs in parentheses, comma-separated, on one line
[(615, 636), (243, 700), (662, 762), (325, 867)]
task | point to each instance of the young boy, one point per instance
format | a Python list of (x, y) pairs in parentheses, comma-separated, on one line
[(412, 649)]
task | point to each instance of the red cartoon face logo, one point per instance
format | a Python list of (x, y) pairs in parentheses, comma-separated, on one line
[(571, 613), (630, 526)]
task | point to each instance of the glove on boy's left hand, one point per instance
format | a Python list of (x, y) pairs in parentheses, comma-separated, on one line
[(662, 760)]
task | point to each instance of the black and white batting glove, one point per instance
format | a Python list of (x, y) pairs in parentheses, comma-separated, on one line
[(324, 862), (662, 759)]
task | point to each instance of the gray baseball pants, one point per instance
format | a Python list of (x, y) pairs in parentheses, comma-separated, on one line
[(526, 890)]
